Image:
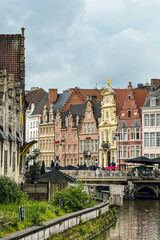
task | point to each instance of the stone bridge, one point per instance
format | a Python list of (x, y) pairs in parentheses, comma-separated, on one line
[(118, 185)]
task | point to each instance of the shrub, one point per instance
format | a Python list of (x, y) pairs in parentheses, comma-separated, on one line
[(74, 198), (10, 191)]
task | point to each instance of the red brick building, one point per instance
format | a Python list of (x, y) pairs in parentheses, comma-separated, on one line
[(130, 124)]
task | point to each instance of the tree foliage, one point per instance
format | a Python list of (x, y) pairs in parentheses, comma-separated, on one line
[(74, 198), (10, 191)]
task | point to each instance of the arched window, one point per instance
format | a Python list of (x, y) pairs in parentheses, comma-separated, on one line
[(129, 113)]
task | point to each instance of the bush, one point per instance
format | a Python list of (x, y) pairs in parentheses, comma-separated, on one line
[(10, 191), (74, 198)]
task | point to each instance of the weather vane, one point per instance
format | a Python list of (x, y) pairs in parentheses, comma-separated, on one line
[(109, 81)]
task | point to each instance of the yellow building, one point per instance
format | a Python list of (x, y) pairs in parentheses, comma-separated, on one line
[(107, 127)]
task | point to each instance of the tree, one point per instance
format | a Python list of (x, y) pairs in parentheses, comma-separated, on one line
[(32, 163), (10, 191)]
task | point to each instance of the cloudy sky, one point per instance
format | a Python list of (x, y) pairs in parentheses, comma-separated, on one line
[(83, 42)]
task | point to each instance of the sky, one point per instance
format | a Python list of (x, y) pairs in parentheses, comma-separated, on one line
[(82, 43)]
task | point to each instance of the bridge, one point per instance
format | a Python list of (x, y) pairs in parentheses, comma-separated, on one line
[(119, 184)]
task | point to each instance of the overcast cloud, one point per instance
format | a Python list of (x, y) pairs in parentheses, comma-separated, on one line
[(83, 42)]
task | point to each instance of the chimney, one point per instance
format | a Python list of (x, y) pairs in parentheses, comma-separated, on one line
[(52, 95), (130, 86), (22, 29)]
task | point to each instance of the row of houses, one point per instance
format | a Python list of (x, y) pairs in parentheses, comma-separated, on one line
[(91, 126)]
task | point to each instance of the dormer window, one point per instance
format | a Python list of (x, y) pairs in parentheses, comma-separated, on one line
[(152, 101)]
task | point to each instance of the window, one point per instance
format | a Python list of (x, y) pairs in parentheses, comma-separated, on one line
[(107, 136), (33, 124), (81, 146), (152, 120), (89, 97), (120, 151), (158, 119), (69, 148), (89, 114), (132, 133), (153, 101), (30, 134), (125, 134), (146, 120), (81, 161), (152, 156), (96, 142), (129, 113), (137, 151), (132, 151), (137, 134), (84, 145), (125, 151), (36, 123), (92, 127), (146, 155), (88, 145), (89, 127), (75, 147), (146, 139), (102, 136), (152, 139), (92, 145), (107, 116), (158, 139), (30, 124), (120, 134), (85, 128)]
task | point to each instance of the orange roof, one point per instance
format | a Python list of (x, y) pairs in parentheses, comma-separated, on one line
[(85, 92), (140, 96), (120, 95)]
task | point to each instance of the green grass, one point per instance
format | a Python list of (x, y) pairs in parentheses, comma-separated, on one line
[(35, 214)]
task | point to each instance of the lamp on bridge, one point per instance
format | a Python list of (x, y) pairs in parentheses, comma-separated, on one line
[(117, 134)]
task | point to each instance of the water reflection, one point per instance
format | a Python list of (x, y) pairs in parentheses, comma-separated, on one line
[(137, 220)]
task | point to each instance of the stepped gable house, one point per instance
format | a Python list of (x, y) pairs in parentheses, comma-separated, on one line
[(12, 103), (129, 123)]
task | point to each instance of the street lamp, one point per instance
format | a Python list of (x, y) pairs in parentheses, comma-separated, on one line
[(63, 140), (117, 134)]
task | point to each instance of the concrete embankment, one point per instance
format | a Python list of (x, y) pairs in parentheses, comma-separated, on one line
[(59, 224)]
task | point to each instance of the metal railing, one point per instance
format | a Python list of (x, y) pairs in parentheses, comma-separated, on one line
[(89, 174)]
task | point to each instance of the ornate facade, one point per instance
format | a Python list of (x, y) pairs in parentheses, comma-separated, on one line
[(107, 128), (12, 104)]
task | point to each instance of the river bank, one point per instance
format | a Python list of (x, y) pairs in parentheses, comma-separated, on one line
[(90, 229)]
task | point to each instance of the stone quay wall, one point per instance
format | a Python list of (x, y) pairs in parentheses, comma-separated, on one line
[(59, 224)]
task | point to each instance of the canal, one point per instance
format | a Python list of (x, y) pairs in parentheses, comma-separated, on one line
[(136, 220)]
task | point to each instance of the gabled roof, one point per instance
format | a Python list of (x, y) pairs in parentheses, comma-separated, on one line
[(88, 92), (55, 176), (120, 95), (35, 96), (40, 105), (140, 97), (61, 100)]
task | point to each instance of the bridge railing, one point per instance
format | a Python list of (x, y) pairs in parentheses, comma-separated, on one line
[(89, 174)]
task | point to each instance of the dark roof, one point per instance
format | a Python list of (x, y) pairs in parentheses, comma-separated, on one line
[(55, 176), (79, 109), (11, 54), (135, 123), (40, 105), (61, 100), (155, 94), (35, 96), (122, 124), (141, 159)]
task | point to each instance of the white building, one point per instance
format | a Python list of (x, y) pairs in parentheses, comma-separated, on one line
[(36, 100), (151, 125)]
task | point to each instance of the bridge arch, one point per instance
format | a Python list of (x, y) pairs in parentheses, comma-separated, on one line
[(149, 188)]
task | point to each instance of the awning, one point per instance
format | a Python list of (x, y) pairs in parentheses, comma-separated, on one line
[(25, 148), (2, 135), (10, 137)]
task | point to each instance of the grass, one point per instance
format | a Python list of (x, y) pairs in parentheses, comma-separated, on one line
[(35, 213)]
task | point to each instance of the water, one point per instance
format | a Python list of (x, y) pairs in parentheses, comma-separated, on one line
[(137, 220)]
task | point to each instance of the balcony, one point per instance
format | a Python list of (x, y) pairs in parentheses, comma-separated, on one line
[(86, 153), (105, 145)]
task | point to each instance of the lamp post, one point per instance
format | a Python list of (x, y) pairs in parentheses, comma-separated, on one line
[(118, 135), (63, 140)]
